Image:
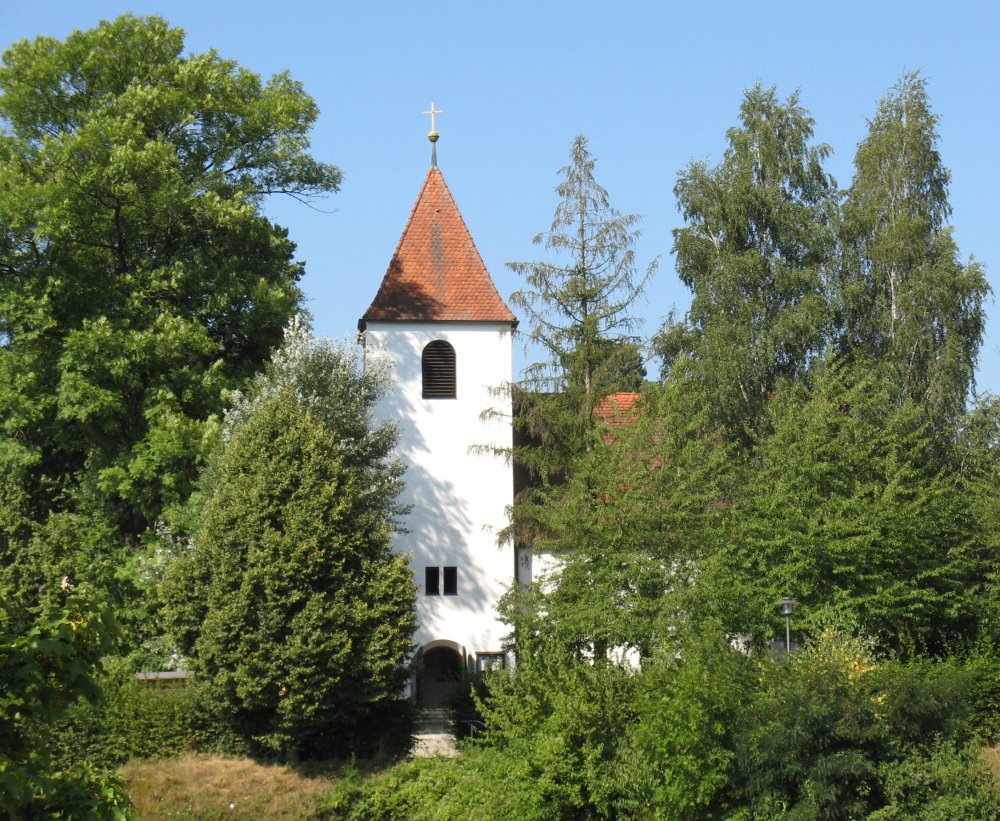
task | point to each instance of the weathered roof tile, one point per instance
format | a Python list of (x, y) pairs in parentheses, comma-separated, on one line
[(436, 273)]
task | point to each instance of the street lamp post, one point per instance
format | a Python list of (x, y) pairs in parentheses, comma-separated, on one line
[(787, 602)]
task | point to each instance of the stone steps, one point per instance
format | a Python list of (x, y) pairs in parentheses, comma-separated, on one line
[(431, 744), (433, 733), (434, 720)]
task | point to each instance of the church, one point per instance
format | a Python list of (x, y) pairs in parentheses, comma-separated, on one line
[(439, 317)]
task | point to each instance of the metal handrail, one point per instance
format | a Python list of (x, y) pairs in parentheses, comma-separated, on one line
[(474, 724)]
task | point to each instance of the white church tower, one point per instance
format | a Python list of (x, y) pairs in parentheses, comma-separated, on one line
[(439, 317)]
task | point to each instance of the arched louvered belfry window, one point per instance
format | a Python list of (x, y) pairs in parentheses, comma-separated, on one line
[(439, 370)]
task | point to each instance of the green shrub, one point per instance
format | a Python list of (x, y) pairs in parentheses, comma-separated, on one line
[(566, 720), (44, 668), (137, 720), (985, 695), (946, 783), (676, 762), (478, 783), (822, 727), (164, 720)]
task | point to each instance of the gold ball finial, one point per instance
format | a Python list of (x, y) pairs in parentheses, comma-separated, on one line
[(433, 136)]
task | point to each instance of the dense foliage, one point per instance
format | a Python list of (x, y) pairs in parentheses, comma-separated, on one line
[(754, 250), (810, 439), (288, 600), (812, 436), (845, 505), (904, 297), (139, 283), (44, 669), (710, 733), (140, 280)]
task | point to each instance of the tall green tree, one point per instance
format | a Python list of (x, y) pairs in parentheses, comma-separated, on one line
[(753, 250), (904, 295), (628, 529), (577, 304), (845, 508), (139, 277), (289, 600)]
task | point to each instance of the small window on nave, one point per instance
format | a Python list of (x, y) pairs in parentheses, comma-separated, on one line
[(438, 362)]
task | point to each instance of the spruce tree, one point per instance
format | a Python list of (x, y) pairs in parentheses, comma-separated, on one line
[(577, 307)]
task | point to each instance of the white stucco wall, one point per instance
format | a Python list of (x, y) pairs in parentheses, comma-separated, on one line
[(459, 498)]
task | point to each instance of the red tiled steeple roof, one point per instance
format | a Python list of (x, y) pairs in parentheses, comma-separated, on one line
[(436, 273)]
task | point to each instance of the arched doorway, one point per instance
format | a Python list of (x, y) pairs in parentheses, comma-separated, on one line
[(439, 669)]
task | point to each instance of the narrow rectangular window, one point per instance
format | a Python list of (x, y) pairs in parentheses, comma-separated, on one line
[(451, 581), (432, 582)]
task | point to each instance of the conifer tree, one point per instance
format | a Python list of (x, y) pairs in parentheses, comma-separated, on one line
[(577, 306), (289, 599)]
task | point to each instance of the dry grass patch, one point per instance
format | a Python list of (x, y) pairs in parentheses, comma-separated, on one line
[(198, 786), (991, 755)]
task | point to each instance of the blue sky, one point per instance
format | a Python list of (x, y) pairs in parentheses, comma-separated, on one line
[(651, 84)]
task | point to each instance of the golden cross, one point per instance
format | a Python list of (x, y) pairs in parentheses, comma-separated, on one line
[(432, 112)]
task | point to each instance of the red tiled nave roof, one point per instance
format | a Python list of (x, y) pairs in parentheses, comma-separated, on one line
[(436, 273), (616, 409)]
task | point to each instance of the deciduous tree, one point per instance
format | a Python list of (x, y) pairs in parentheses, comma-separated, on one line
[(904, 296), (139, 277), (628, 529), (754, 248), (845, 508)]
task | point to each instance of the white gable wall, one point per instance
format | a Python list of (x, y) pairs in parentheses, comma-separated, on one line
[(459, 497)]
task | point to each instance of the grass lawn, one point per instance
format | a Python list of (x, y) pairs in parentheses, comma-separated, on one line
[(212, 787), (199, 786)]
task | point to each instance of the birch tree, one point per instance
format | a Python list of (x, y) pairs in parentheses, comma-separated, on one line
[(756, 238), (904, 295)]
